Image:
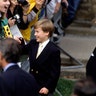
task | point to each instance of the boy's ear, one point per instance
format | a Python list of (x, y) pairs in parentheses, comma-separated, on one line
[(47, 33)]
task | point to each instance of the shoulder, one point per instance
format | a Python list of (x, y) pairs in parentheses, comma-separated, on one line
[(33, 41), (54, 47)]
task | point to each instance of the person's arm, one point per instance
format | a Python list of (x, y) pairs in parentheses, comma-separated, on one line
[(29, 17), (57, 7)]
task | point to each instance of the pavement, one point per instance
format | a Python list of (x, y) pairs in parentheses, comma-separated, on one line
[(80, 47)]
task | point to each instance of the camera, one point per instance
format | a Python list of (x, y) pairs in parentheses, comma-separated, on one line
[(17, 18), (22, 2)]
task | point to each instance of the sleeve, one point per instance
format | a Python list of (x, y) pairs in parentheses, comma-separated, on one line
[(25, 48), (32, 14)]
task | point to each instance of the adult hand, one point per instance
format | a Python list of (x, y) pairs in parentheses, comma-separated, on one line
[(57, 7), (43, 90), (39, 4), (11, 21)]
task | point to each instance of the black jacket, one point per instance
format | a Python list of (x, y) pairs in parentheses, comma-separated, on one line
[(91, 66), (46, 68), (19, 83)]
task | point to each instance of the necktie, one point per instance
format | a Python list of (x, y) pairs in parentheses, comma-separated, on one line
[(40, 48)]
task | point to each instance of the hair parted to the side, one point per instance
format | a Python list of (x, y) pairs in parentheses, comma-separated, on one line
[(10, 49), (46, 25)]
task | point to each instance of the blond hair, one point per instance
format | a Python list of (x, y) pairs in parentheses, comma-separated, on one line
[(46, 25)]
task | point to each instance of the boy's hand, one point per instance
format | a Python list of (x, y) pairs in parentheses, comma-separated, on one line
[(43, 90), (17, 39)]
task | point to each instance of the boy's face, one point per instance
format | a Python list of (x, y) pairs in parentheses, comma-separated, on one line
[(5, 5), (40, 35)]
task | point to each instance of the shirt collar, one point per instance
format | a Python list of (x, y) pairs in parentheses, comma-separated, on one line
[(8, 65), (45, 43)]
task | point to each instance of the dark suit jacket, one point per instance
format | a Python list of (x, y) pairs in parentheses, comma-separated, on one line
[(91, 66), (19, 82), (46, 68), (3, 88)]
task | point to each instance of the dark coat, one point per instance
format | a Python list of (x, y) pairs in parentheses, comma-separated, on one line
[(3, 88), (46, 68), (91, 66), (19, 82)]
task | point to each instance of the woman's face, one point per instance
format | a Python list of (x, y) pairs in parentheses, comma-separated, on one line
[(13, 2), (5, 4)]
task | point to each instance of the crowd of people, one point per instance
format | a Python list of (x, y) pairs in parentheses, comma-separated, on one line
[(37, 17), (44, 56)]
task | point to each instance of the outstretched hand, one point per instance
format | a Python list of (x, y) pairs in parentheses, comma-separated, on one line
[(20, 40)]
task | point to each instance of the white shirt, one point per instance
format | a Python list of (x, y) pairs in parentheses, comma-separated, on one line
[(41, 47)]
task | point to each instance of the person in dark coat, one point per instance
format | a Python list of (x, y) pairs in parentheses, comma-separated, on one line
[(18, 82), (44, 57), (91, 66)]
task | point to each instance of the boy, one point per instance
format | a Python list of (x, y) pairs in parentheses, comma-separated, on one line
[(44, 57)]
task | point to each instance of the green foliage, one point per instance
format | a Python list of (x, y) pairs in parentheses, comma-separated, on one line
[(65, 87)]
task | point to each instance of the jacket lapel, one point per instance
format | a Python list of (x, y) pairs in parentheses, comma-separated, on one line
[(35, 49), (44, 54)]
